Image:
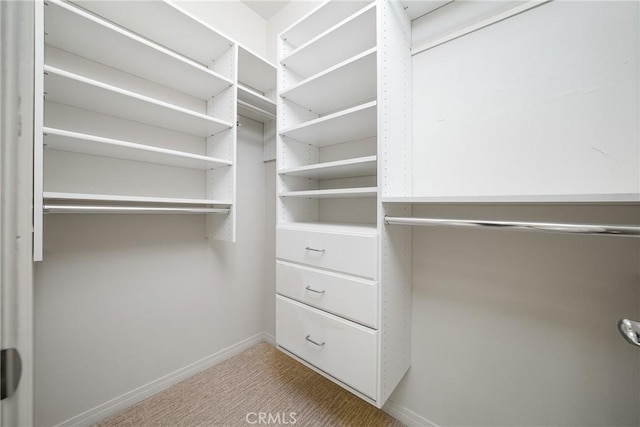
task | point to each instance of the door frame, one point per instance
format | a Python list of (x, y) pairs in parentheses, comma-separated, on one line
[(17, 24)]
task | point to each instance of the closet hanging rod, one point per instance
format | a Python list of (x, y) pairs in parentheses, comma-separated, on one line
[(56, 209), (589, 229), (255, 109)]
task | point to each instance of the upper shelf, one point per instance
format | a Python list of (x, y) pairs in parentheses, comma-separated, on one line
[(105, 42), (255, 72), (320, 20), (333, 193), (615, 198), (355, 123), (345, 84), (72, 89), (167, 24), (354, 167), (85, 197), (348, 38), (415, 9), (59, 139)]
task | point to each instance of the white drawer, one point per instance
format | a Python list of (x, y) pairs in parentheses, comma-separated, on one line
[(342, 349), (348, 253), (347, 296)]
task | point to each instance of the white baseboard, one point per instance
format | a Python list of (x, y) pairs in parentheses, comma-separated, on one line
[(269, 339), (406, 416), (122, 402)]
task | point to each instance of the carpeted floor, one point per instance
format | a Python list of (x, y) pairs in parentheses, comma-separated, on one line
[(261, 386)]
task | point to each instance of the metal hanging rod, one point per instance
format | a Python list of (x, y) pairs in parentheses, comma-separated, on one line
[(59, 209), (589, 229), (255, 109)]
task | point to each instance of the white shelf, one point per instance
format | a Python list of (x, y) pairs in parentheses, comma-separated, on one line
[(320, 20), (361, 166), (336, 227), (104, 42), (348, 83), (59, 139), (255, 72), (79, 209), (415, 9), (346, 39), (71, 89), (255, 99), (540, 198), (334, 193), (84, 197), (352, 124), (166, 24)]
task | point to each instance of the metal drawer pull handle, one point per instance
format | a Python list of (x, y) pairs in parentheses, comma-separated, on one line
[(309, 288), (313, 342), (315, 250)]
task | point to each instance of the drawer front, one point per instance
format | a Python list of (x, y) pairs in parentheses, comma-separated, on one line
[(347, 296), (346, 253), (338, 347)]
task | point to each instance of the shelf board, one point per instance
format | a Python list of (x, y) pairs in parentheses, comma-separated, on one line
[(334, 193), (63, 140), (346, 39), (352, 124), (348, 83), (361, 166), (84, 197), (416, 9), (618, 198), (105, 42), (167, 24), (79, 209), (320, 20), (255, 72), (71, 89), (256, 99), (337, 227)]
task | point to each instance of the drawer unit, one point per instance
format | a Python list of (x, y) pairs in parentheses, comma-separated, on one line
[(346, 296), (342, 349), (344, 252)]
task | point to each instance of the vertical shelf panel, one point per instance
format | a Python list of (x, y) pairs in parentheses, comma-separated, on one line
[(38, 117)]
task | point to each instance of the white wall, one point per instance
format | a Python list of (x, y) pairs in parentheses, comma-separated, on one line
[(545, 102), (122, 300), (514, 328)]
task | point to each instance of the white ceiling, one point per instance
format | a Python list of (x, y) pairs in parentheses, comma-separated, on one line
[(265, 8)]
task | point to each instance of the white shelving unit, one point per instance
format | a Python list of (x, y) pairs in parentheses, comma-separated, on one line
[(343, 115), (115, 91)]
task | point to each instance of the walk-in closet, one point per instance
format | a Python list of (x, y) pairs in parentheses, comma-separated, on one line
[(320, 212)]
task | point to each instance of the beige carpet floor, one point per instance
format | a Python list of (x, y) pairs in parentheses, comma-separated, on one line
[(245, 390)]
